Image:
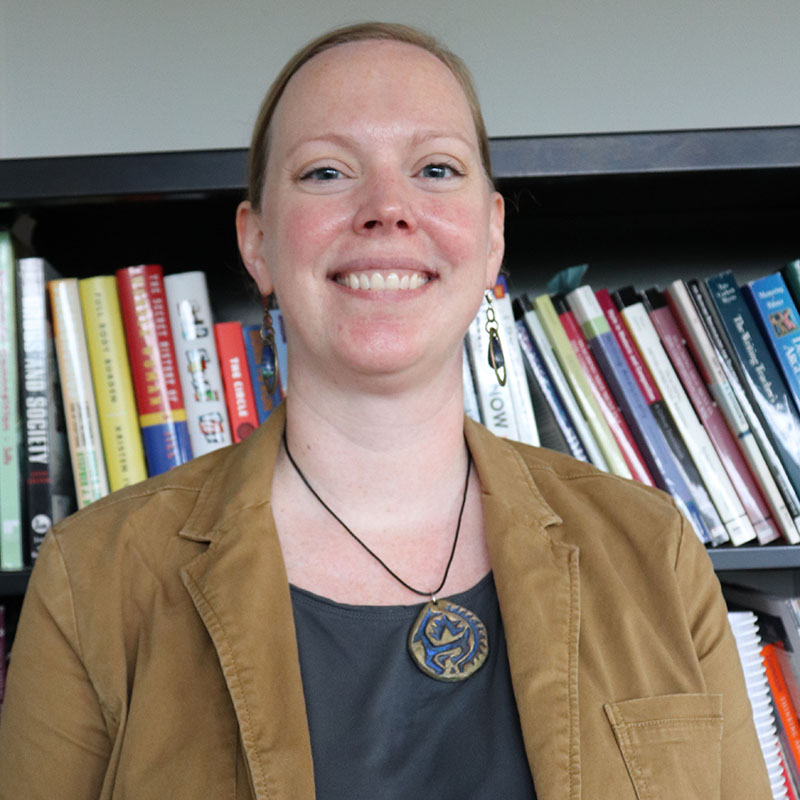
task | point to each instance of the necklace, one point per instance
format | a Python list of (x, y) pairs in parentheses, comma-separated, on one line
[(447, 641)]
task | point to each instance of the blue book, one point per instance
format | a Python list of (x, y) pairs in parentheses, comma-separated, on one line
[(637, 413), (263, 365), (763, 380)]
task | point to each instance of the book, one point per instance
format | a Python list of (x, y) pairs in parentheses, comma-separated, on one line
[(239, 395), (579, 384), (156, 385), (774, 309), (494, 400), (263, 368), (754, 661), (48, 494), (622, 383), (707, 519), (787, 714), (197, 361), (560, 383), (723, 454), (568, 312), (80, 409), (11, 544), (744, 462), (527, 431), (726, 504), (723, 346), (111, 378)]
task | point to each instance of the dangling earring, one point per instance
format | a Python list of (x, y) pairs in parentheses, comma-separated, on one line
[(496, 359), (269, 358)]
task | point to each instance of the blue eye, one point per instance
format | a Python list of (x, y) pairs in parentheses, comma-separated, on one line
[(438, 171), (322, 174)]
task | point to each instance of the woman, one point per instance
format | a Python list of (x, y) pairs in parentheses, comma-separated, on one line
[(162, 652)]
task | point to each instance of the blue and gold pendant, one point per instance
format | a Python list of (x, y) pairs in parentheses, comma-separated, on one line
[(448, 642)]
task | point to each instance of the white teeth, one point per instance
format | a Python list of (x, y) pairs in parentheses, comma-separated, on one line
[(377, 281)]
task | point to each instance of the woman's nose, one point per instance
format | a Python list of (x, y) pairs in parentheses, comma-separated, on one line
[(386, 206)]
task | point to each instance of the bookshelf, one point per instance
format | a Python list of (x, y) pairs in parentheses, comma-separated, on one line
[(638, 207)]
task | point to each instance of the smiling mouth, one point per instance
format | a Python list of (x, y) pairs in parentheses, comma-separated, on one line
[(379, 281)]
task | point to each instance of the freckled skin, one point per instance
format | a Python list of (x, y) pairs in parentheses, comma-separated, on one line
[(375, 115)]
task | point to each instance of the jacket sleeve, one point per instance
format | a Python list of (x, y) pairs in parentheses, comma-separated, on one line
[(53, 736), (744, 774)]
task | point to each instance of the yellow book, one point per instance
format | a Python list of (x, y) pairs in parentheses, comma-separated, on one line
[(113, 385)]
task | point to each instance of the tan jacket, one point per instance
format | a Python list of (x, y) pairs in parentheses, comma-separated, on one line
[(156, 657)]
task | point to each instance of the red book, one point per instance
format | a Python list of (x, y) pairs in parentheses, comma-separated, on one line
[(783, 705), (239, 395), (619, 428), (156, 383)]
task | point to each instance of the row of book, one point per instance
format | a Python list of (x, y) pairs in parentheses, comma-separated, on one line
[(107, 380), (766, 627), (694, 389)]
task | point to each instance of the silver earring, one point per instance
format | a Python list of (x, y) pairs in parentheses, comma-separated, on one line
[(496, 358)]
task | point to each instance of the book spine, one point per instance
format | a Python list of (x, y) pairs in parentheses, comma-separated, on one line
[(11, 544), (775, 311), (156, 385), (701, 297), (471, 407), (263, 372), (236, 379), (197, 361), (707, 462), (760, 378), (597, 382), (707, 425), (782, 700), (45, 501), (494, 400), (623, 386), (83, 428), (706, 514), (561, 384), (520, 394), (555, 415), (111, 377), (745, 464), (580, 385)]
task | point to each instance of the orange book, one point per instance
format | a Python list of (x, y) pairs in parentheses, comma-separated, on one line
[(783, 703)]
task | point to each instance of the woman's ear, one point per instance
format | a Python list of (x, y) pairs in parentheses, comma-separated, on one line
[(250, 236), (497, 241)]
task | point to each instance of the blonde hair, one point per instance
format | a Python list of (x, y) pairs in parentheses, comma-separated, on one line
[(366, 31)]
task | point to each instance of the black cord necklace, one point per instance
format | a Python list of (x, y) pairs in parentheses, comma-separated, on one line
[(447, 641)]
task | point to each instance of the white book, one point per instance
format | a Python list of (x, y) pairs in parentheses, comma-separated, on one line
[(471, 408), (494, 400), (527, 431), (748, 644), (197, 360), (694, 435)]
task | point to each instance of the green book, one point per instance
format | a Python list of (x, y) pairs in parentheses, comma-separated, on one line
[(10, 510)]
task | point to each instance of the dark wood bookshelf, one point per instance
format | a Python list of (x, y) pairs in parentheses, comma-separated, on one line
[(638, 207)]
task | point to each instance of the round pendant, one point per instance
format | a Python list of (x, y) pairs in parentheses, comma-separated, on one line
[(448, 642)]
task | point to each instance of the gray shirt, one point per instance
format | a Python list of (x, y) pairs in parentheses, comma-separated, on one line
[(380, 728)]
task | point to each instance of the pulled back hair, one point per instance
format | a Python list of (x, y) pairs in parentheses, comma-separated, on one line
[(365, 31)]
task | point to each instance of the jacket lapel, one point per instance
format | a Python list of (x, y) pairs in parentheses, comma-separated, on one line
[(240, 589), (538, 589)]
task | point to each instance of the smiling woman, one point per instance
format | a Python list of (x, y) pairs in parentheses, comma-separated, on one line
[(372, 596)]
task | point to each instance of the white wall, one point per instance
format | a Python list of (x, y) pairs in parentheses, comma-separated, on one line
[(94, 76)]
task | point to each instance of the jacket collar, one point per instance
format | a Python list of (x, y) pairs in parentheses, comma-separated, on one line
[(240, 589)]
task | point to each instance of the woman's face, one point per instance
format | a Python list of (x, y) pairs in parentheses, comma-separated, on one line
[(378, 230)]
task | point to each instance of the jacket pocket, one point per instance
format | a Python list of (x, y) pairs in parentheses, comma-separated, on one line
[(671, 745)]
